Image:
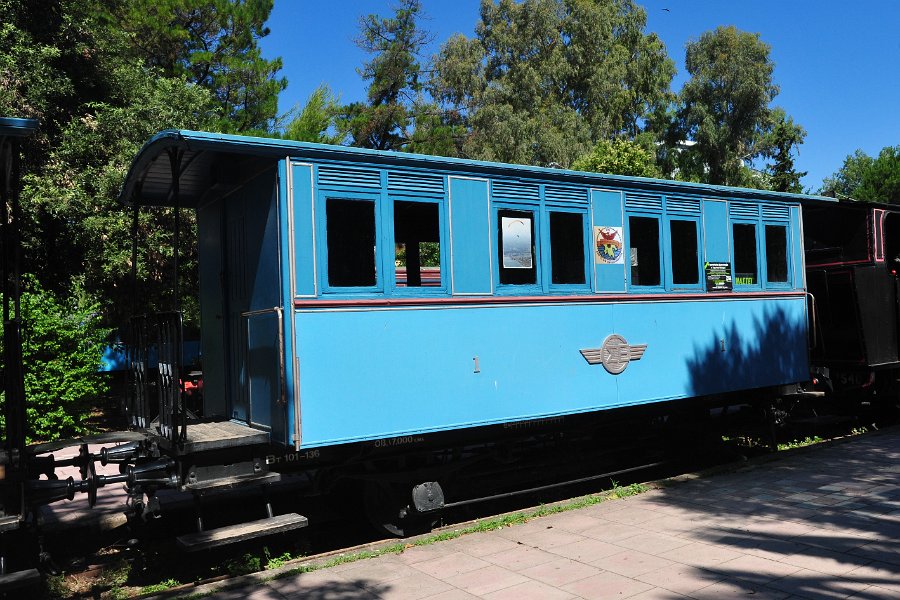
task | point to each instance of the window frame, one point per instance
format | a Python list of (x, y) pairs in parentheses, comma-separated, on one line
[(670, 268), (391, 276), (759, 255), (567, 288), (513, 289), (663, 274), (773, 285), (323, 197)]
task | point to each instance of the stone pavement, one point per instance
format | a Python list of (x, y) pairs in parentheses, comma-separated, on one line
[(819, 523)]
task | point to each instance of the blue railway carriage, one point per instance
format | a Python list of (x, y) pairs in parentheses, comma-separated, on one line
[(357, 302)]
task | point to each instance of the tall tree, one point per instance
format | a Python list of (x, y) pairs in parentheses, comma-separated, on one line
[(54, 59), (214, 44), (78, 66), (724, 106), (543, 80), (784, 137), (862, 177), (385, 121)]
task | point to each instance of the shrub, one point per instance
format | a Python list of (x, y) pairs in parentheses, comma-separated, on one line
[(62, 345)]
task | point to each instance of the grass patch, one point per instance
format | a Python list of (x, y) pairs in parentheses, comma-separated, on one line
[(162, 586), (242, 565), (276, 562), (807, 441)]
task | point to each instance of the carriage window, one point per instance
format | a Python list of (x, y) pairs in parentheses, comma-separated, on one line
[(643, 235), (891, 236), (516, 246), (350, 232), (685, 268), (417, 244), (776, 254), (567, 247), (744, 254)]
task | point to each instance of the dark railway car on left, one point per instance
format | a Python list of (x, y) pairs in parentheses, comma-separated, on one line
[(551, 302)]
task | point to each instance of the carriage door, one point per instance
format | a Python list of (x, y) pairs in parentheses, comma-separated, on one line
[(255, 317), (890, 233)]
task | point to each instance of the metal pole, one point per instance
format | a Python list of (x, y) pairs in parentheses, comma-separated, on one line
[(11, 132), (175, 162)]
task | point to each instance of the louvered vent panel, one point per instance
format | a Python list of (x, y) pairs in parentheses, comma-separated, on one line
[(561, 194), (776, 212), (683, 206), (349, 177), (415, 182), (745, 211), (643, 202), (515, 191)]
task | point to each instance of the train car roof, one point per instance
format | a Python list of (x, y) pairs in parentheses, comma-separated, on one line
[(14, 127), (852, 203), (217, 162)]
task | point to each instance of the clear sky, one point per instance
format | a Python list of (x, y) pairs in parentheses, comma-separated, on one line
[(837, 62)]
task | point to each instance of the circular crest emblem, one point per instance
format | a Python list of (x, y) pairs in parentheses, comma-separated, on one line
[(615, 354), (609, 244)]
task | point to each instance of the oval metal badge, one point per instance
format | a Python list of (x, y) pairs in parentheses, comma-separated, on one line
[(614, 354)]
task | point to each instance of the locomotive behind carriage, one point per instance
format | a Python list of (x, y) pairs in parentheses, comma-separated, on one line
[(852, 264), (392, 324)]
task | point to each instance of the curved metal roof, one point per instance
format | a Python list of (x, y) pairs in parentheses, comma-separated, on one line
[(10, 126), (211, 161)]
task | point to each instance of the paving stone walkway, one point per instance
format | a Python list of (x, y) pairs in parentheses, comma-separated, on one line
[(823, 523)]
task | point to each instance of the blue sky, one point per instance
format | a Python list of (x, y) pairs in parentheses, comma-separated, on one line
[(837, 63)]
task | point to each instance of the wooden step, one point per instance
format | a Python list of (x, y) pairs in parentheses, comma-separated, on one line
[(10, 523), (19, 579), (202, 540)]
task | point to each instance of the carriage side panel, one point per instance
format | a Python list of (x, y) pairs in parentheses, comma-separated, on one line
[(797, 248), (301, 230), (478, 365), (471, 270), (212, 307), (715, 232), (606, 218)]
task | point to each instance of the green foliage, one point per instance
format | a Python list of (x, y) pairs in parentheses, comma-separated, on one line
[(724, 107), (849, 177), (619, 157), (807, 441), (62, 346), (248, 563), (783, 138), (212, 44), (544, 80), (276, 562), (162, 586), (75, 224), (102, 76), (862, 177), (316, 121), (385, 121), (429, 254)]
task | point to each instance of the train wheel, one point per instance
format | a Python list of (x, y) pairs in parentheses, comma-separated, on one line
[(387, 508)]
